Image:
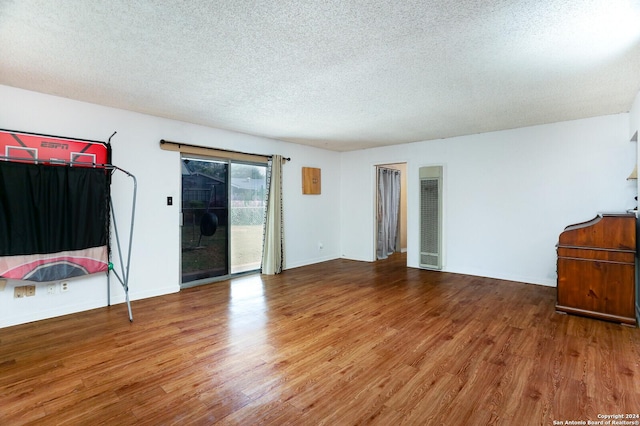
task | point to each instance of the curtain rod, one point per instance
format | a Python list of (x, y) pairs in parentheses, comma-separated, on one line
[(180, 144), (383, 168), (54, 162), (50, 162)]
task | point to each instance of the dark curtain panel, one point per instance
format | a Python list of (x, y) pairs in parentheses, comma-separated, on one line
[(49, 209)]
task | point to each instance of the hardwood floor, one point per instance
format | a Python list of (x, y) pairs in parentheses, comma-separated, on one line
[(337, 343)]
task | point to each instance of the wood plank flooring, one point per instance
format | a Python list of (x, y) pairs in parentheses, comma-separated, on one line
[(337, 343)]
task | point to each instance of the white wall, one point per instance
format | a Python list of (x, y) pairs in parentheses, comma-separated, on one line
[(634, 126), (156, 252), (634, 116), (507, 194)]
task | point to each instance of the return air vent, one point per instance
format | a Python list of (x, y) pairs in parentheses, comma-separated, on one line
[(431, 217)]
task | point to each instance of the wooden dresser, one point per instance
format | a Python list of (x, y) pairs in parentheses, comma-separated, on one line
[(596, 268)]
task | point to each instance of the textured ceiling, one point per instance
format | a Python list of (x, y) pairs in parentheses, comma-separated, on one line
[(337, 74)]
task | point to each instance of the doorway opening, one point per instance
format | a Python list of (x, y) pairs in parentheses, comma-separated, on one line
[(223, 211), (390, 210)]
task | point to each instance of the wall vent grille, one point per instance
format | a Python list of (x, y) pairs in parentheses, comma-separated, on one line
[(431, 217)]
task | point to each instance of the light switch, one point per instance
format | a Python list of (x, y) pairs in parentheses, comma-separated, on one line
[(169, 201)]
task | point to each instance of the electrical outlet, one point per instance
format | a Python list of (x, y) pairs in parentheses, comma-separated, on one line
[(24, 291), (19, 292), (64, 286), (52, 289)]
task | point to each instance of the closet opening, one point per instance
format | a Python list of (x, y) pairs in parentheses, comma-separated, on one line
[(390, 210)]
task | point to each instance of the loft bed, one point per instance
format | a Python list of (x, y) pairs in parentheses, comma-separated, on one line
[(56, 209)]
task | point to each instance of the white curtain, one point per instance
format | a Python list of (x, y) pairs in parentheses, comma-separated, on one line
[(388, 211), (273, 247)]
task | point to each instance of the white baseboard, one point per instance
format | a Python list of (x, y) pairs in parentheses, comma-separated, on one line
[(309, 262)]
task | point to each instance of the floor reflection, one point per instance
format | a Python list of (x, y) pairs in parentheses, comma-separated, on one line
[(248, 339), (248, 287), (247, 309)]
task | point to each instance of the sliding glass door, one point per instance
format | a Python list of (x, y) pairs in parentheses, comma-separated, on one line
[(223, 206), (205, 205), (247, 214)]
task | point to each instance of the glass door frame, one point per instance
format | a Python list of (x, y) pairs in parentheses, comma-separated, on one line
[(228, 162)]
